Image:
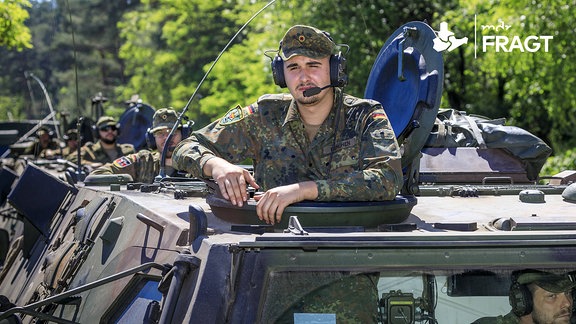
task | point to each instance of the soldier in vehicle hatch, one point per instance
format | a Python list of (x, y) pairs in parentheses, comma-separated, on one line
[(45, 146), (72, 142), (537, 297), (106, 149), (315, 143), (144, 166)]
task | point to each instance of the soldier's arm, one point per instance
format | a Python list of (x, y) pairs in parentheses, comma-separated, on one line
[(122, 165)]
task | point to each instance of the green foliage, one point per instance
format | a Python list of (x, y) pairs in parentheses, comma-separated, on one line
[(13, 32), (559, 163), (533, 90), (9, 108)]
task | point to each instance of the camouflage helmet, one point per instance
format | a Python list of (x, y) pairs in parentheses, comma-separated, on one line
[(164, 118), (307, 41), (106, 121), (548, 281)]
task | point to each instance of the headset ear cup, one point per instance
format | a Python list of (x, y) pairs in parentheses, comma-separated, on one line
[(278, 71), (150, 141), (95, 132), (520, 299), (186, 131), (338, 74)]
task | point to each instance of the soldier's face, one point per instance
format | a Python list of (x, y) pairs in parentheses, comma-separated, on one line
[(551, 307), (109, 133), (44, 140), (161, 136), (302, 73)]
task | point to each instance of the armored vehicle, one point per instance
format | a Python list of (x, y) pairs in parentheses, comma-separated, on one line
[(109, 250)]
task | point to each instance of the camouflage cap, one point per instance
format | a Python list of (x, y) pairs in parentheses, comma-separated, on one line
[(106, 121), (548, 281), (164, 118), (308, 41)]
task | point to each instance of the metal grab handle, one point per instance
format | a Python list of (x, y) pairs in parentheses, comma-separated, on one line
[(408, 32), (497, 178)]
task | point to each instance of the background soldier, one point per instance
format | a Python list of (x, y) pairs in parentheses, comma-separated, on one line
[(45, 146), (537, 297), (144, 166), (71, 139), (106, 149)]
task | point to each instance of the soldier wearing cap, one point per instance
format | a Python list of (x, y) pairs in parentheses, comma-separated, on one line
[(315, 143), (45, 146), (144, 166), (71, 139), (106, 149), (537, 297)]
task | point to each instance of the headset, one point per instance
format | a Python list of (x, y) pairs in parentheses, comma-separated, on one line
[(520, 297), (338, 72), (185, 129), (48, 131), (338, 76)]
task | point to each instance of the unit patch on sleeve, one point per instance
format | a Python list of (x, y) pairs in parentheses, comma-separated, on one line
[(233, 115), (122, 162)]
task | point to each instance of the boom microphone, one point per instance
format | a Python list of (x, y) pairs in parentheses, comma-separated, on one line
[(315, 90)]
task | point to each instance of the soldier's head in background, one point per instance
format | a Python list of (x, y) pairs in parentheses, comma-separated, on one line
[(107, 128), (162, 123)]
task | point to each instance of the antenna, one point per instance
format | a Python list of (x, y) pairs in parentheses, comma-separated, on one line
[(80, 175), (162, 174)]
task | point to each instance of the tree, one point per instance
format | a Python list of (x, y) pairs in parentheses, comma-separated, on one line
[(165, 45), (532, 89), (13, 32)]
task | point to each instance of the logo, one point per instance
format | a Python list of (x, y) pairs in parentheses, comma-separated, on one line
[(446, 39), (500, 37)]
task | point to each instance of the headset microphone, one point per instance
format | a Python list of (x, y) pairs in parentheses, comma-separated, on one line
[(315, 90)]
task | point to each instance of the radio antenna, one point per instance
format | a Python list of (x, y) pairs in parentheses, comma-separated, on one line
[(162, 174), (80, 174)]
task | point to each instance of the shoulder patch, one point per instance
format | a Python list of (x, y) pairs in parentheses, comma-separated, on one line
[(378, 115), (233, 115), (122, 162)]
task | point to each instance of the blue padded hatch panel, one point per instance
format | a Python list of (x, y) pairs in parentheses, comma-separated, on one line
[(133, 123), (406, 79)]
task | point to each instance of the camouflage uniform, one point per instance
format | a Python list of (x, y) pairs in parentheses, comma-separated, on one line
[(143, 166), (353, 299), (94, 153), (354, 155)]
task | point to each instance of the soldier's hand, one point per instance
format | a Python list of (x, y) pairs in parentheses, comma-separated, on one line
[(231, 179), (271, 204)]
